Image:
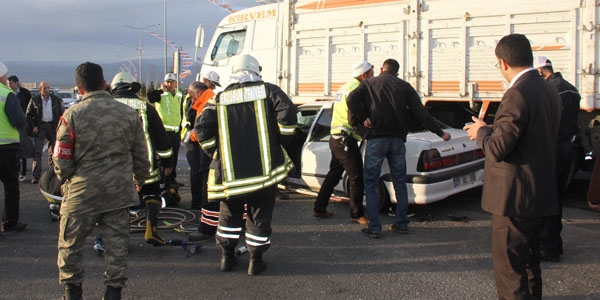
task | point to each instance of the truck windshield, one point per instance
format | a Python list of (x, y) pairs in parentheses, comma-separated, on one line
[(228, 44)]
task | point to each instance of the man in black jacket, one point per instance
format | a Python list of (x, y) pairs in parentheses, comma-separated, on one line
[(43, 113), (552, 247), (384, 105)]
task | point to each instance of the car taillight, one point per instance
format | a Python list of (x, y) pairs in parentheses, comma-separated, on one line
[(431, 160)]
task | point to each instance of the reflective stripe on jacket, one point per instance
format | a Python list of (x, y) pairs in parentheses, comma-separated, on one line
[(246, 125)]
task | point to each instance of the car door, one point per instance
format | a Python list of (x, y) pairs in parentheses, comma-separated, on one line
[(316, 154)]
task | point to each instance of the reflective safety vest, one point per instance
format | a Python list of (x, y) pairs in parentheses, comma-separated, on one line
[(8, 133), (185, 123), (249, 152), (339, 118), (141, 107), (169, 110)]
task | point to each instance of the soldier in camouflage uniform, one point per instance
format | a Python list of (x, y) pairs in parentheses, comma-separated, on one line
[(99, 141)]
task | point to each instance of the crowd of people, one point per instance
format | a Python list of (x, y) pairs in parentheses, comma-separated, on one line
[(113, 131)]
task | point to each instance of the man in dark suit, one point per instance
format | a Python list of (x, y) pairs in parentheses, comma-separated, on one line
[(43, 113), (520, 186)]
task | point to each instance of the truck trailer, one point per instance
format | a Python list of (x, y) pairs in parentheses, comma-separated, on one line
[(445, 49)]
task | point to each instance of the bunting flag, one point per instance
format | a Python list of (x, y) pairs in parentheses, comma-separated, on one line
[(185, 58), (223, 5)]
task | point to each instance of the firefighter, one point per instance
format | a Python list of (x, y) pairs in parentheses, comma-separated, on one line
[(243, 128), (124, 88)]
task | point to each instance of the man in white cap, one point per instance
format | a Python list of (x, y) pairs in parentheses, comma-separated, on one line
[(345, 152), (170, 109), (551, 245), (11, 118)]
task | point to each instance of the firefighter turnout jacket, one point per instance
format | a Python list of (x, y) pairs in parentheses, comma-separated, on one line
[(243, 127), (157, 141)]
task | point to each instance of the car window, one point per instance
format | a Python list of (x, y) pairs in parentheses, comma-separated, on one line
[(321, 131), (65, 95), (305, 119)]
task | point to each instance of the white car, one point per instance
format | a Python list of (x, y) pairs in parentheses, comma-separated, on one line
[(435, 169), (67, 97)]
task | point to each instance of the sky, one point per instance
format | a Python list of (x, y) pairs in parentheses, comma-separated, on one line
[(91, 30)]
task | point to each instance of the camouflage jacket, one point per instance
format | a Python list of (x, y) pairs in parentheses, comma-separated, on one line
[(100, 152)]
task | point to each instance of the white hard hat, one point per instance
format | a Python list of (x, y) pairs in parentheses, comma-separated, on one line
[(120, 80), (170, 77), (212, 76), (246, 62)]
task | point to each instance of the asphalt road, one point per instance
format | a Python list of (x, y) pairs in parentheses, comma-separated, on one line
[(314, 258)]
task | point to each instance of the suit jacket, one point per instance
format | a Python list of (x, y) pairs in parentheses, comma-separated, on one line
[(520, 149), (35, 108)]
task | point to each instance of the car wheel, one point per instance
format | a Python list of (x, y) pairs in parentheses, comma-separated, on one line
[(383, 196)]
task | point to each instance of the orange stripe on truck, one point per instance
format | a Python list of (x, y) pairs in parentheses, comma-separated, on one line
[(445, 86), (548, 48), (318, 5), (311, 87), (490, 86)]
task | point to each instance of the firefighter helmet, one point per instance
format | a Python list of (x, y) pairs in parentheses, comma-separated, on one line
[(246, 62), (123, 80)]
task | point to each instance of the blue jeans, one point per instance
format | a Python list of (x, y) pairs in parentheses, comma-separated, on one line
[(378, 149)]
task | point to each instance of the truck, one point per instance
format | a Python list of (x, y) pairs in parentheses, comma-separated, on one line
[(445, 49)]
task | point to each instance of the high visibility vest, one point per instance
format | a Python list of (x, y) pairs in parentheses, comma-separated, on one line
[(169, 110), (8, 133), (339, 118)]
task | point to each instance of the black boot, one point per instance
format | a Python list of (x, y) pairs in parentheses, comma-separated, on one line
[(228, 259), (152, 211), (257, 264), (112, 293), (73, 292)]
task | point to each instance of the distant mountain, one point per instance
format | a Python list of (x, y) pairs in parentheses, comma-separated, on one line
[(62, 74)]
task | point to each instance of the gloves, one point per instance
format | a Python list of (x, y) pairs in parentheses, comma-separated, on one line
[(154, 96)]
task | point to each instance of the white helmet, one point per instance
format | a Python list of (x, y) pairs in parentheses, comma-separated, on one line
[(246, 62), (123, 80)]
